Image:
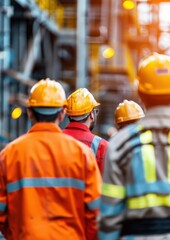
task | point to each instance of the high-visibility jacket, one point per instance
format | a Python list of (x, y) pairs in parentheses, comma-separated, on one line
[(136, 181), (49, 187), (82, 133)]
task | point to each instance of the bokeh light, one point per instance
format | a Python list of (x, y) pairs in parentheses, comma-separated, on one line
[(16, 113), (108, 52), (128, 4)]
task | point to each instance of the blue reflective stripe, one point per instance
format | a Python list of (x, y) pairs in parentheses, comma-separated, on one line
[(137, 163), (144, 188), (45, 182), (94, 204), (134, 129), (135, 141), (1, 236), (109, 235), (137, 160), (95, 144), (2, 207), (112, 210)]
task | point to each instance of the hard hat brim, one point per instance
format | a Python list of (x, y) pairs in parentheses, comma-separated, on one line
[(47, 110), (79, 118)]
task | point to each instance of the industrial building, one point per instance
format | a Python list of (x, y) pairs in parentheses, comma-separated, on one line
[(95, 44)]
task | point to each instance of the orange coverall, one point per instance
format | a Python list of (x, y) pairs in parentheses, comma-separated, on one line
[(49, 187)]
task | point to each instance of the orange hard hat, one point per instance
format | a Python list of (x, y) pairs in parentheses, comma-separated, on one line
[(128, 111), (80, 102), (47, 93), (154, 75)]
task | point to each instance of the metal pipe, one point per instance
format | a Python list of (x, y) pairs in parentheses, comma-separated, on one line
[(81, 64)]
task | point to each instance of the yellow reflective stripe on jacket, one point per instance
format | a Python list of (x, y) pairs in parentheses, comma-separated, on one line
[(149, 200), (146, 137), (114, 191), (169, 157), (148, 156), (140, 127)]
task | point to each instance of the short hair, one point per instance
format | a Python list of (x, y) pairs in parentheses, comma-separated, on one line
[(44, 118)]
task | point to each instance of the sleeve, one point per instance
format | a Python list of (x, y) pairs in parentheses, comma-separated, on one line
[(112, 206), (3, 196), (92, 195)]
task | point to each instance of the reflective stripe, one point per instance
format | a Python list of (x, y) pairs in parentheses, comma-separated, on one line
[(134, 128), (114, 191), (112, 210), (168, 157), (137, 164), (45, 182), (146, 137), (2, 207), (144, 188), (94, 204), (149, 162), (95, 144), (148, 156), (136, 160), (108, 235), (150, 200)]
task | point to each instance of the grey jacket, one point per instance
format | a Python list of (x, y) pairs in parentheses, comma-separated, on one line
[(136, 181)]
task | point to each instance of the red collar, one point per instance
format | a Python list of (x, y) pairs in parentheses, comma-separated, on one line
[(78, 125)]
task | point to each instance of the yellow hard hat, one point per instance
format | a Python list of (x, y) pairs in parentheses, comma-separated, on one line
[(128, 111), (80, 102), (47, 93), (154, 75)]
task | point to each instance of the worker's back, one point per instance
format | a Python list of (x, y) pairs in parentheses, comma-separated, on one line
[(82, 133), (48, 175), (142, 153), (82, 110), (136, 180)]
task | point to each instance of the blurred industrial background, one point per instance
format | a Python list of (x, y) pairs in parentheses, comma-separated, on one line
[(85, 43)]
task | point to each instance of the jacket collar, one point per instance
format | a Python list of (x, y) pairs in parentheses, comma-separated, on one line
[(44, 126), (158, 111), (78, 125)]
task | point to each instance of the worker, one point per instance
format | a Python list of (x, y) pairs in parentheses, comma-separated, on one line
[(127, 112), (82, 110), (136, 183), (49, 182)]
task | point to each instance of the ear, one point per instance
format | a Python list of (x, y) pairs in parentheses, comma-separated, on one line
[(91, 116), (30, 114), (62, 115)]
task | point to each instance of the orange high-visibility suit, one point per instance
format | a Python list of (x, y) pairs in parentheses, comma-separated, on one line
[(49, 187)]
